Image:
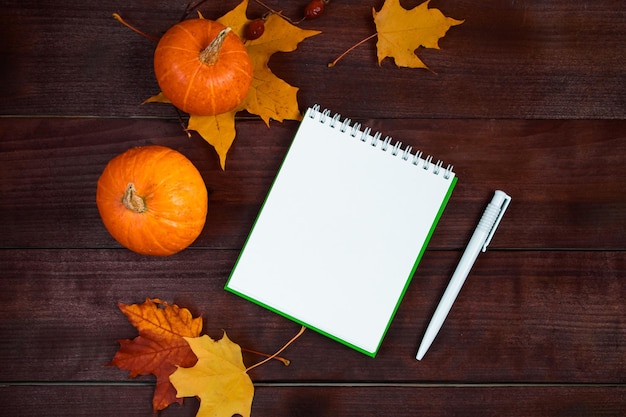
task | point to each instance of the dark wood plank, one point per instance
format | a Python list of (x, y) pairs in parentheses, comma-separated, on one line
[(523, 316), (400, 401), (523, 59), (565, 178), (527, 96)]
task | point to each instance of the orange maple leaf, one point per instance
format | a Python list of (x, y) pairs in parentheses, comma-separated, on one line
[(402, 31), (269, 96), (160, 346)]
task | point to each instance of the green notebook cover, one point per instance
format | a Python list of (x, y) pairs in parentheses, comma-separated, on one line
[(342, 230)]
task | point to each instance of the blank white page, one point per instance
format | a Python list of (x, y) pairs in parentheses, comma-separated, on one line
[(341, 231)]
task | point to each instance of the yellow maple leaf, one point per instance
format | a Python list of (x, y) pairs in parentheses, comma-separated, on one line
[(219, 378), (219, 131), (402, 31), (269, 96), (157, 98)]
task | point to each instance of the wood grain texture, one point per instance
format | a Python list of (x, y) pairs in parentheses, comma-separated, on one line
[(515, 401), (526, 96), (565, 177), (520, 59), (514, 321)]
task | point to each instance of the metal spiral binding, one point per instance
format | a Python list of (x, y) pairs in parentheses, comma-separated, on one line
[(405, 154)]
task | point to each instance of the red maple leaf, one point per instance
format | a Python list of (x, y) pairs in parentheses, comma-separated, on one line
[(160, 347)]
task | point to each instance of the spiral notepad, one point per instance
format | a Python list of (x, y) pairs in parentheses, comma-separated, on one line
[(342, 230)]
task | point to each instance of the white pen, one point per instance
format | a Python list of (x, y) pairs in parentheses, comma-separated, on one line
[(479, 241)]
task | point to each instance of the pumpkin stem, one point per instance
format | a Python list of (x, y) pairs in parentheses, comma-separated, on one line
[(209, 54), (132, 201)]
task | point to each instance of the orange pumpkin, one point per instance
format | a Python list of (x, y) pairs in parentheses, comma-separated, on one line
[(202, 67), (152, 200)]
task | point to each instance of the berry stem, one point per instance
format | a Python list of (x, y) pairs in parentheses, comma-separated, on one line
[(276, 12), (134, 29), (332, 64)]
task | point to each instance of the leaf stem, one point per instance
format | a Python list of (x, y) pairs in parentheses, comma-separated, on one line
[(182, 122), (302, 329), (332, 64), (285, 361), (134, 29)]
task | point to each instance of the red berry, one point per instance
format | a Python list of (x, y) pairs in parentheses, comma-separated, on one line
[(314, 9), (255, 29)]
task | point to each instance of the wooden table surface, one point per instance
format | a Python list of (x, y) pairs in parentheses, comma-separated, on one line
[(525, 96)]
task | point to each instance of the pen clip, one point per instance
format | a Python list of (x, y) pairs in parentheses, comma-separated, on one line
[(503, 207)]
